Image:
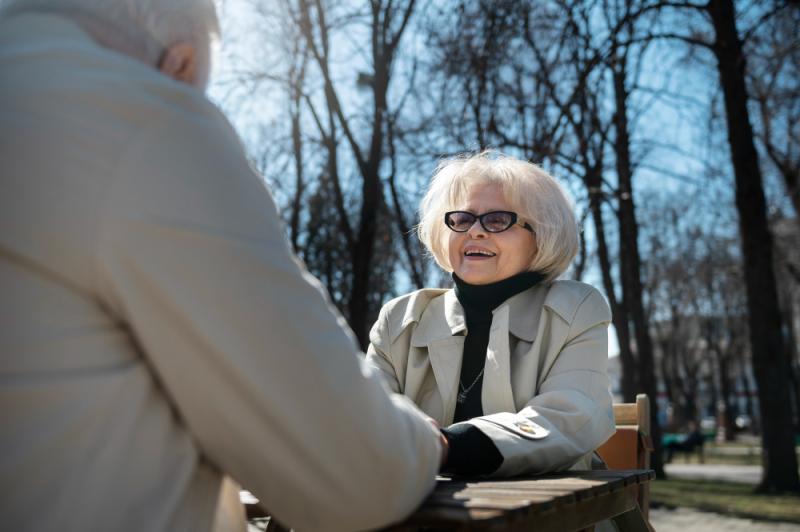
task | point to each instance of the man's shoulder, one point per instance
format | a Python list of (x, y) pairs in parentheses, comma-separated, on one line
[(566, 297), (107, 89)]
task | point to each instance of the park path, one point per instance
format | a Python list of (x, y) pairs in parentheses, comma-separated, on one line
[(746, 474), (691, 520)]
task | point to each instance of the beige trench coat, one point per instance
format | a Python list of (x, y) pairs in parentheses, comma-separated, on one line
[(545, 390), (156, 333)]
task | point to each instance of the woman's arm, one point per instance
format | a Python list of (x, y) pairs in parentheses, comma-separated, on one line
[(378, 357), (571, 415)]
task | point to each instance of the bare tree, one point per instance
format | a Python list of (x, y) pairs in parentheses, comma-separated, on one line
[(387, 22), (696, 300), (332, 66), (773, 77), (770, 358), (769, 354), (557, 83)]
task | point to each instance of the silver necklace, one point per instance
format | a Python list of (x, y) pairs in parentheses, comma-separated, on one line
[(462, 395)]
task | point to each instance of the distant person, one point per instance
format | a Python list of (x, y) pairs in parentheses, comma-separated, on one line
[(156, 332), (512, 361), (690, 441)]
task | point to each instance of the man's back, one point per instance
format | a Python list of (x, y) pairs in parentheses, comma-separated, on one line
[(72, 380), (148, 300)]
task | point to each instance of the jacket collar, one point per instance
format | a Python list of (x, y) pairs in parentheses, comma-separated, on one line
[(441, 327), (524, 310), (445, 316)]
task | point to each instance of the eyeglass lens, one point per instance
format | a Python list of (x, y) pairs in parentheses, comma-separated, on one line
[(493, 222)]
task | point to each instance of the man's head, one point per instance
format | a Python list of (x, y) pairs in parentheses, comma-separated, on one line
[(173, 36)]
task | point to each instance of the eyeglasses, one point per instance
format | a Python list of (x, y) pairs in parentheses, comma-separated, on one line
[(492, 222)]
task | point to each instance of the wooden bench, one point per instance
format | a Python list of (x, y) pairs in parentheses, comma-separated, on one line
[(558, 502), (462, 505), (631, 445)]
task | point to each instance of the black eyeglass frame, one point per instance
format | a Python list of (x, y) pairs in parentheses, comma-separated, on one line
[(480, 218)]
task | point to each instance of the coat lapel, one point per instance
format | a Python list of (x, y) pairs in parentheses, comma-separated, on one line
[(441, 329), (496, 395), (518, 316), (445, 355), (525, 310)]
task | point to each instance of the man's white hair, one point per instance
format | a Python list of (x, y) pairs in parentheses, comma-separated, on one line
[(160, 22), (533, 193)]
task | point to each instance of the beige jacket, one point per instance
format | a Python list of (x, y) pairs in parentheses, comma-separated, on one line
[(545, 390), (156, 333)]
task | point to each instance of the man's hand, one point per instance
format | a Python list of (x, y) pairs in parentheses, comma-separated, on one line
[(443, 440)]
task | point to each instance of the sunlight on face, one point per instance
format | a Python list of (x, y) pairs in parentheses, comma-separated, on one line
[(480, 257)]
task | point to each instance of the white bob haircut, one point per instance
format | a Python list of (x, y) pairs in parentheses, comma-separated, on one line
[(533, 193), (164, 22)]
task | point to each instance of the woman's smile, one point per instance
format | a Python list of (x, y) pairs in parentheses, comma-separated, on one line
[(478, 253), (478, 256)]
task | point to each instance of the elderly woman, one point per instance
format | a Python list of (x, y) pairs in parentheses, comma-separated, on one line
[(512, 362)]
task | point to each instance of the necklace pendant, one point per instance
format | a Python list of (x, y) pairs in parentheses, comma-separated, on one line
[(462, 396)]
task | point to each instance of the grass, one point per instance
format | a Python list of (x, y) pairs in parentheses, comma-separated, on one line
[(725, 498), (730, 453), (710, 456)]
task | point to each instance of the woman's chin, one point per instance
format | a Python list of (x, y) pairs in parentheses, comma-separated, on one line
[(475, 277)]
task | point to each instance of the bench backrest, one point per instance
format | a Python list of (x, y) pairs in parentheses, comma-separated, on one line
[(631, 445)]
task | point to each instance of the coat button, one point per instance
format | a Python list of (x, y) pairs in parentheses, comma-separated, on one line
[(526, 426)]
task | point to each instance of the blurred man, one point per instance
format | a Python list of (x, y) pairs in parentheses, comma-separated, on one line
[(156, 333)]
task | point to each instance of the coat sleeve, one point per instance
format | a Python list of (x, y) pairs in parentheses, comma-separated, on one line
[(378, 351), (572, 414), (192, 257)]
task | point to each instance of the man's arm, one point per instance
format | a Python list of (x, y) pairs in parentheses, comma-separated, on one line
[(193, 258)]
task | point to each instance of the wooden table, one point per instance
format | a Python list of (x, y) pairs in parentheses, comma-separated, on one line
[(559, 502)]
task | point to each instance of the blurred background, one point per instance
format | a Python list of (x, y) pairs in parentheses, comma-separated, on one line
[(675, 125)]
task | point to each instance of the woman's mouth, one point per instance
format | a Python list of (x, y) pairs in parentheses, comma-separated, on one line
[(478, 253)]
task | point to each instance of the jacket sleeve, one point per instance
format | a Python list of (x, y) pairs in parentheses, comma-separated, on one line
[(571, 415), (192, 257), (378, 355)]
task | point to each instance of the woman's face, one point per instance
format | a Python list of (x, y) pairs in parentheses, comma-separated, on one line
[(480, 257)]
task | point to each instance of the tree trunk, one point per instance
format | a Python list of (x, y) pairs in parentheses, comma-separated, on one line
[(619, 315), (770, 360), (297, 147), (371, 189), (725, 392), (787, 312), (403, 227), (748, 398), (669, 388), (630, 272)]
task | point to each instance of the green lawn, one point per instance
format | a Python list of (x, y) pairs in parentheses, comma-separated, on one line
[(725, 498), (711, 457), (733, 453)]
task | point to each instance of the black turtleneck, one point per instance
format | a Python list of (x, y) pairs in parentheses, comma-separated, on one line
[(479, 301), (471, 451)]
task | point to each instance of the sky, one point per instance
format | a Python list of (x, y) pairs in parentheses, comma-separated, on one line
[(674, 147)]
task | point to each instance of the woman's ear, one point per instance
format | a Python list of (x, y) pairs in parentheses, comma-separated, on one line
[(179, 62)]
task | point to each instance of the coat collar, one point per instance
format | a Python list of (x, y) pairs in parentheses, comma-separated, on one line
[(444, 316), (441, 327)]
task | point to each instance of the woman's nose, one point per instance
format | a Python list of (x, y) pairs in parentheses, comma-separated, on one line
[(477, 230)]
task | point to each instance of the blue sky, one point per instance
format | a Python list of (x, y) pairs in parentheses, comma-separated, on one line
[(676, 148)]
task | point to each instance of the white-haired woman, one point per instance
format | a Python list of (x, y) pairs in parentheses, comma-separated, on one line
[(511, 362)]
